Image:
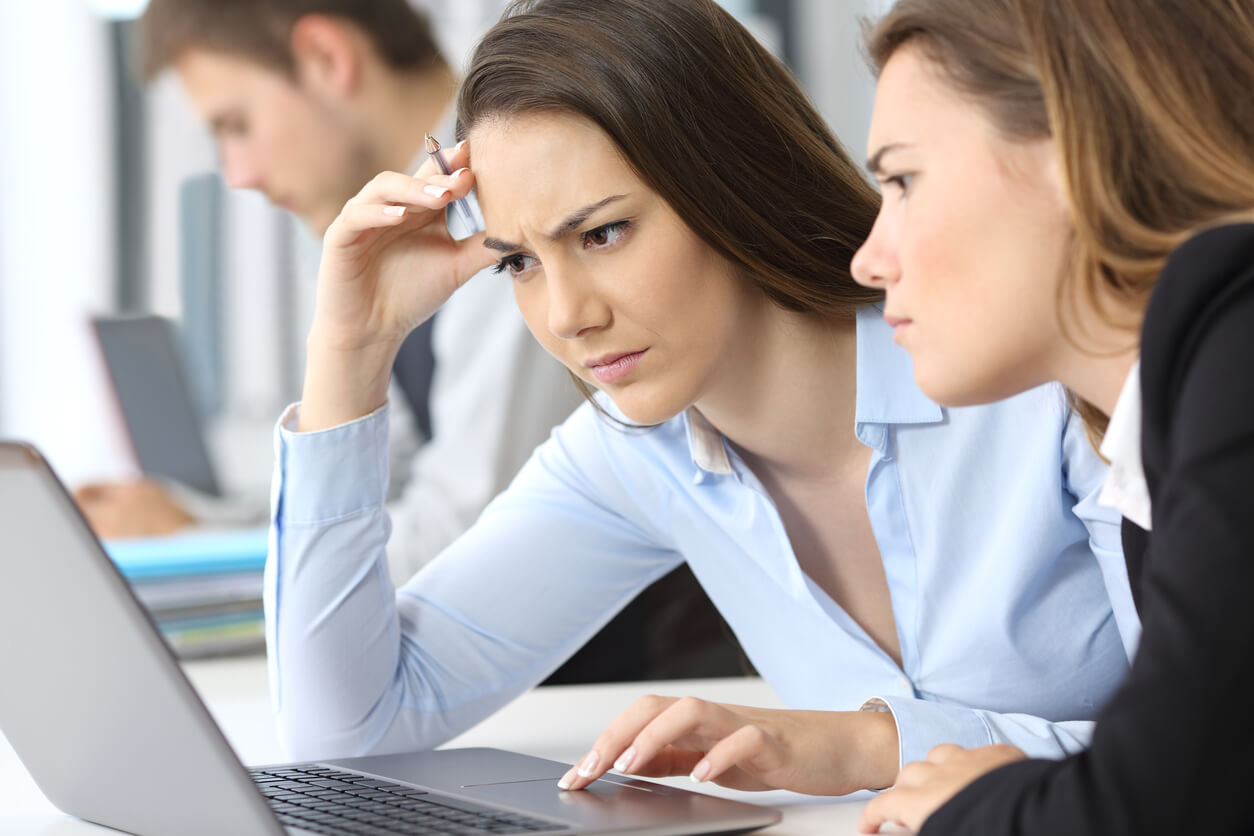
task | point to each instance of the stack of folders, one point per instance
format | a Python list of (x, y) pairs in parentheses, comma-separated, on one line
[(202, 589)]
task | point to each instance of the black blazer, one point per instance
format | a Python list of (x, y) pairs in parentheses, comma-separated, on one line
[(1173, 751)]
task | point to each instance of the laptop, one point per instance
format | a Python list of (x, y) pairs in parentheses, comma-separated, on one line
[(150, 383), (111, 730)]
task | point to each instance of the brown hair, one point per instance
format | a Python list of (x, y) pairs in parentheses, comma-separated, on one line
[(260, 30), (707, 118), (1148, 102)]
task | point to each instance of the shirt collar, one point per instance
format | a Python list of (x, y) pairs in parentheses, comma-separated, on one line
[(1125, 489), (887, 393), (709, 451)]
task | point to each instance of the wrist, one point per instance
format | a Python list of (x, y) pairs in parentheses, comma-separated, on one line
[(343, 384), (879, 749)]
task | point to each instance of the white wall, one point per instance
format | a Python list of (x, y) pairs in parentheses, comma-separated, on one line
[(56, 233), (832, 66)]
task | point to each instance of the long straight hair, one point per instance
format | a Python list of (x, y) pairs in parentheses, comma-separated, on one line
[(1148, 102), (706, 117)]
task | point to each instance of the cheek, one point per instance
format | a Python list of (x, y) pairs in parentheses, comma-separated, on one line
[(533, 305)]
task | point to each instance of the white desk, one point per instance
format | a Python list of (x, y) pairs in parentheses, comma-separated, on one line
[(558, 722)]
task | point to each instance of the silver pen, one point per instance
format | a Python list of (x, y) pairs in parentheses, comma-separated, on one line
[(464, 218)]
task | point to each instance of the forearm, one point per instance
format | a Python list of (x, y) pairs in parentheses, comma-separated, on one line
[(343, 382), (331, 620)]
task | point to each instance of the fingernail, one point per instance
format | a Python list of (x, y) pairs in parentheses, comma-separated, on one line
[(588, 764), (459, 146), (701, 771), (394, 211), (567, 780), (625, 759), (459, 172), (435, 191)]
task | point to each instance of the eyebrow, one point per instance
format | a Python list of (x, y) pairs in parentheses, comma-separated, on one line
[(875, 164), (572, 222)]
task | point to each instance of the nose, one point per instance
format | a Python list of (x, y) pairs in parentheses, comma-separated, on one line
[(876, 264), (238, 168), (575, 307)]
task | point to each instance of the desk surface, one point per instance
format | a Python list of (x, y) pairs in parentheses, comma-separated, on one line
[(557, 722)]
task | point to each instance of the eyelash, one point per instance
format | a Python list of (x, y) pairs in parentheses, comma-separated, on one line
[(901, 181), (620, 227)]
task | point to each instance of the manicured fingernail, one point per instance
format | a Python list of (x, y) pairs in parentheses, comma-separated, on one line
[(588, 764), (625, 759), (701, 771), (567, 780), (459, 172), (459, 146), (394, 211), (435, 191)]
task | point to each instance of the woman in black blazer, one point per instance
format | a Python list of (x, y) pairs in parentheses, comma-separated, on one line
[(1068, 194)]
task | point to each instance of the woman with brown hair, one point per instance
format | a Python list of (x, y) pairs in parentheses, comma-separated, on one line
[(677, 224), (1069, 195)]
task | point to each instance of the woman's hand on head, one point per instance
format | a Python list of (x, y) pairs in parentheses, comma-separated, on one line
[(923, 786), (388, 263), (814, 752)]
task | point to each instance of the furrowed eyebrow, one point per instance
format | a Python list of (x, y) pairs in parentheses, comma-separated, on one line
[(498, 244), (875, 164), (578, 217), (572, 222)]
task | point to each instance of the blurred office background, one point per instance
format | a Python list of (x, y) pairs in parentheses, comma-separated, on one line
[(109, 202)]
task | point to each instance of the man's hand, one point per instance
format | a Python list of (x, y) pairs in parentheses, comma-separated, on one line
[(130, 509)]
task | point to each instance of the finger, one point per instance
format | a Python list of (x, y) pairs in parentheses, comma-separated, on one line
[(401, 189), (472, 256), (614, 741), (750, 747), (915, 773), (943, 752), (671, 761), (882, 808), (682, 719), (459, 181), (358, 218)]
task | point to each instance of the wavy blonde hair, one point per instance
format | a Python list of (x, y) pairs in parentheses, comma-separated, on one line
[(1149, 102)]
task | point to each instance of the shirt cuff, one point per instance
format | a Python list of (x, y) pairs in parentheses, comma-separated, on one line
[(332, 473), (922, 724)]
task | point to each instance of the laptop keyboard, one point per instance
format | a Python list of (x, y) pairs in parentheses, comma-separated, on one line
[(338, 803)]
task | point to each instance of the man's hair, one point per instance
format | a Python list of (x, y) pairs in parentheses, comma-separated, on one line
[(260, 30)]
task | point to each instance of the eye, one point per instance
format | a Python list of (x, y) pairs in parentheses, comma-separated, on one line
[(899, 181), (515, 264), (604, 236)]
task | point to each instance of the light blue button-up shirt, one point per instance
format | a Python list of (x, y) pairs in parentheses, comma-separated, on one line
[(997, 556)]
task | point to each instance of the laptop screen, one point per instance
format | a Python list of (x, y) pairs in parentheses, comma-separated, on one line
[(152, 389)]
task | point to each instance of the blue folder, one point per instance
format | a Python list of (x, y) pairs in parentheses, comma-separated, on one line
[(188, 554)]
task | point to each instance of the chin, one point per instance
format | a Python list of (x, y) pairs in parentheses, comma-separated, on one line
[(646, 410), (969, 390)]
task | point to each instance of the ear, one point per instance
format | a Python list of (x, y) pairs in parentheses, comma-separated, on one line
[(326, 55)]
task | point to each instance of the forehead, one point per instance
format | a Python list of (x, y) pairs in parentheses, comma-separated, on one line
[(914, 105), (533, 170), (214, 79)]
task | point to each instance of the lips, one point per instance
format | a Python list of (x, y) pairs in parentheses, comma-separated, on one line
[(899, 326), (612, 367)]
